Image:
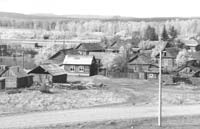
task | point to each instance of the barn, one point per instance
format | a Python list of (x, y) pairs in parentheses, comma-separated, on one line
[(80, 65), (50, 72), (15, 77)]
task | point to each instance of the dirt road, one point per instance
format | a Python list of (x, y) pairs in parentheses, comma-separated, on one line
[(92, 114)]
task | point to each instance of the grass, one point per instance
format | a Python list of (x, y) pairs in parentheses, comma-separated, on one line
[(189, 122)]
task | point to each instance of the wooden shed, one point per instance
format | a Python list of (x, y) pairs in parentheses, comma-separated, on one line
[(50, 72), (16, 77)]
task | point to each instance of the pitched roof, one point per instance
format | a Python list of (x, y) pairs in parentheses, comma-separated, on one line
[(90, 46), (189, 42), (141, 59), (70, 51), (52, 69), (117, 44), (172, 51), (59, 56), (78, 59), (17, 71)]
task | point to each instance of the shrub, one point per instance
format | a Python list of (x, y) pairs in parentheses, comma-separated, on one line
[(44, 89)]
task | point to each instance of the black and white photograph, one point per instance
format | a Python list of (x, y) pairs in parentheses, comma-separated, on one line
[(99, 64)]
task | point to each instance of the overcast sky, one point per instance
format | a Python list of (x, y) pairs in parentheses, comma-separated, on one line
[(133, 8)]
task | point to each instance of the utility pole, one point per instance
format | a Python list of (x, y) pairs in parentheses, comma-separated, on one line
[(160, 92), (23, 56)]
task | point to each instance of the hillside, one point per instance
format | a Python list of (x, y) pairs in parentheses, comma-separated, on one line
[(42, 16)]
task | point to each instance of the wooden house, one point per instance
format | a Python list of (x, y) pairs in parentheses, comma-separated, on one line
[(191, 44), (16, 77), (143, 65), (86, 48), (169, 55), (117, 45), (49, 72), (59, 56), (80, 65)]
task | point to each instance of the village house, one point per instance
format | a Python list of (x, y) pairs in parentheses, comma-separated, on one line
[(117, 45), (191, 44), (15, 77), (86, 48), (169, 57), (49, 72), (80, 65), (59, 56), (144, 66)]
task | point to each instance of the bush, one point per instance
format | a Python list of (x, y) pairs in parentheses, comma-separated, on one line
[(44, 89)]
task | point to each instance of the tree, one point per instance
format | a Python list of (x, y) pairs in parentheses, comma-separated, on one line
[(164, 35), (136, 38), (146, 45), (150, 34), (182, 57), (172, 33), (46, 52)]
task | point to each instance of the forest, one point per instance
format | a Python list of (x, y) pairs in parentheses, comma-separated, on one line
[(109, 26)]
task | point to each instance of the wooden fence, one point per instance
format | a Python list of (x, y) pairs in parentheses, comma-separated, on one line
[(123, 75)]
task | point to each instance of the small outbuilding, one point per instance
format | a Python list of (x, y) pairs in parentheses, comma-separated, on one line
[(50, 72), (15, 77), (80, 65)]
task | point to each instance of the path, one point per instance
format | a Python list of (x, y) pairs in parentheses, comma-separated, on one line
[(91, 114)]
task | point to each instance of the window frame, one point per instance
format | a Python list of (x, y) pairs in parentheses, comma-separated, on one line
[(72, 68), (81, 69)]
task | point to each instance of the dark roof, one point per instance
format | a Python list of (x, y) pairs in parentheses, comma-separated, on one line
[(117, 44), (70, 51), (90, 46), (52, 69), (172, 51), (141, 59), (59, 56)]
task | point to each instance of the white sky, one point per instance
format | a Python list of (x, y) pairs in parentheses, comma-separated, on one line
[(133, 8)]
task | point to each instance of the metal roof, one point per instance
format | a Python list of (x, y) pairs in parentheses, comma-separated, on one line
[(78, 60)]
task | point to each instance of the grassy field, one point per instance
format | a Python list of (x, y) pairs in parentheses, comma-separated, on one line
[(116, 92), (189, 122)]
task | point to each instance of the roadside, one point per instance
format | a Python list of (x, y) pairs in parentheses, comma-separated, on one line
[(180, 122), (94, 114)]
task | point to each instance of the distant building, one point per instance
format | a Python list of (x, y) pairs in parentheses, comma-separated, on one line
[(86, 48), (3, 50), (80, 65), (169, 57), (15, 77), (144, 66), (191, 44), (49, 72), (59, 56)]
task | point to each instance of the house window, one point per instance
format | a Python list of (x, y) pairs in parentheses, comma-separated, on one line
[(164, 53), (72, 69), (81, 68)]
